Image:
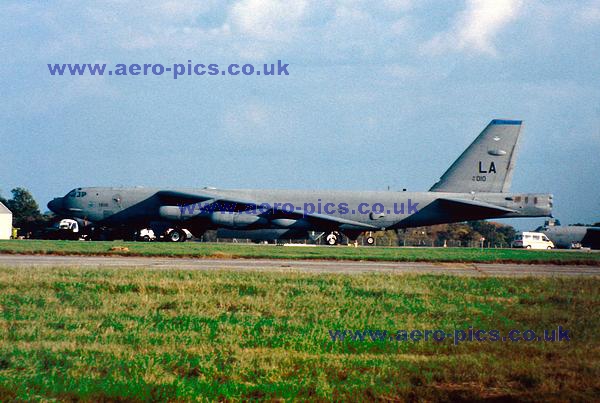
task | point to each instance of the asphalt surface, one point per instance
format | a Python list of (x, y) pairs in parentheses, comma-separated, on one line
[(310, 266)]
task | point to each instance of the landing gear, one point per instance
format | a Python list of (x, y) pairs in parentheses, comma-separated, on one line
[(175, 235), (370, 240), (332, 238)]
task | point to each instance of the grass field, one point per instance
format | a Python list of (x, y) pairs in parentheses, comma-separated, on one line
[(139, 334), (228, 250)]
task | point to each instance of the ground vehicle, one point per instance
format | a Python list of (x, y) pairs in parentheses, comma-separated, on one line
[(68, 225), (168, 235), (64, 229), (145, 235), (532, 240)]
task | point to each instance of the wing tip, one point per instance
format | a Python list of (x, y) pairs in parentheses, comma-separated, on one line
[(506, 122)]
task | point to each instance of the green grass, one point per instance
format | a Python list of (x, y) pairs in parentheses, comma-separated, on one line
[(222, 250), (140, 334)]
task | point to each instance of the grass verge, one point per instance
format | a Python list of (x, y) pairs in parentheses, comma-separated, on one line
[(214, 250), (139, 334)]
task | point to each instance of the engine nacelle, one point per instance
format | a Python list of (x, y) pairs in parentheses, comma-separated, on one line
[(290, 223), (237, 220), (178, 213)]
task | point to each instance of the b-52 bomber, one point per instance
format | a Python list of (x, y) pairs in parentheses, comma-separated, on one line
[(476, 186)]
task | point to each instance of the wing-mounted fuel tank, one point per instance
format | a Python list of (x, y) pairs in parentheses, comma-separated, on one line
[(237, 220), (218, 218), (229, 219), (179, 213)]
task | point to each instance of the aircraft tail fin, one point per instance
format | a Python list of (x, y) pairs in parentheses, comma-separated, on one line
[(487, 164)]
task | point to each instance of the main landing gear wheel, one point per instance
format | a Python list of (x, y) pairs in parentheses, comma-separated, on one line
[(332, 238), (370, 240), (175, 235)]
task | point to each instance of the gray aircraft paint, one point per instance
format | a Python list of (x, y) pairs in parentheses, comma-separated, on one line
[(461, 194), (564, 237), (490, 159)]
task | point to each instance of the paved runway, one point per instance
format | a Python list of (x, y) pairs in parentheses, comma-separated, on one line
[(311, 266)]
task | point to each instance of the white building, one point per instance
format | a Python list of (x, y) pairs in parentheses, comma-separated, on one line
[(5, 222)]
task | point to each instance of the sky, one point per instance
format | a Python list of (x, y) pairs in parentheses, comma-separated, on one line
[(379, 94)]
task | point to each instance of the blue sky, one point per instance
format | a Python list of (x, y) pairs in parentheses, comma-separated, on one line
[(379, 94)]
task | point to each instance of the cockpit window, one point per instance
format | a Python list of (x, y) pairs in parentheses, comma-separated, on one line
[(76, 193)]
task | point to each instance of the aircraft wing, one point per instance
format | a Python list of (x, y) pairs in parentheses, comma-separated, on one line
[(328, 220), (212, 202), (177, 198), (205, 200)]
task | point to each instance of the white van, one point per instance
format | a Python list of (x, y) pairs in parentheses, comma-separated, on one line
[(532, 240)]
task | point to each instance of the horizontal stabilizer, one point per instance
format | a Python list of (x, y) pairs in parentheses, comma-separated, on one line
[(474, 206), (447, 210)]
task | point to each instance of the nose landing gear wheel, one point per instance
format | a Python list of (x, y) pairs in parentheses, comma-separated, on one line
[(370, 240)]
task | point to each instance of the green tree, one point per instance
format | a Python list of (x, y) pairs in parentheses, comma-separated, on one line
[(494, 233), (26, 212), (23, 206), (508, 232)]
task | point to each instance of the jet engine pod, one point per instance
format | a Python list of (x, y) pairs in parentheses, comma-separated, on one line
[(236, 220), (289, 223), (179, 213), (170, 213)]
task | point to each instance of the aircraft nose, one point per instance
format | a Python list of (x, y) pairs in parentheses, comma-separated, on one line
[(55, 205)]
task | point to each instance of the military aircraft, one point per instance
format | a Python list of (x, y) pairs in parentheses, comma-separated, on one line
[(474, 187), (572, 236)]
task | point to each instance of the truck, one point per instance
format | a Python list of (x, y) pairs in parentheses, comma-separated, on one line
[(532, 240), (66, 228)]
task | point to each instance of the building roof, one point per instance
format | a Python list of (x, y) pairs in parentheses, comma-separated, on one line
[(4, 209)]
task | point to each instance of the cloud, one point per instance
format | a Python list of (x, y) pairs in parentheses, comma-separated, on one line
[(400, 72), (56, 93), (398, 5), (182, 9), (258, 125), (589, 13), (330, 30), (476, 27), (244, 122), (252, 28), (274, 20)]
